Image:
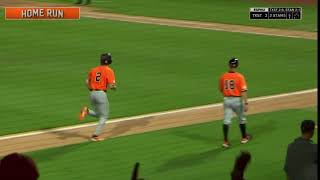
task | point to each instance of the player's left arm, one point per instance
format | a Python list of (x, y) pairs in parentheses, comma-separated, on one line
[(244, 97), (113, 86), (244, 94), (111, 80)]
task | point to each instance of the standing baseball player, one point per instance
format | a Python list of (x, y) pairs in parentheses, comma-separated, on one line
[(232, 86), (99, 80)]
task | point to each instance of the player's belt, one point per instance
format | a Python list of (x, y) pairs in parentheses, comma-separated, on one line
[(97, 90)]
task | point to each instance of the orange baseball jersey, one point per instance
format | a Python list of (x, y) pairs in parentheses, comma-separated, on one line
[(232, 84), (99, 78)]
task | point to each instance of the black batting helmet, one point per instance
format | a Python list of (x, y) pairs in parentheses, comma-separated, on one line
[(234, 62), (105, 59)]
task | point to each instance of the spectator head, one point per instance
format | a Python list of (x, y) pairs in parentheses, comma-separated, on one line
[(307, 128), (18, 166), (240, 165)]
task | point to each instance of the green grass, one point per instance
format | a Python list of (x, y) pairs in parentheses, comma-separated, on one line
[(191, 152), (44, 65), (222, 11)]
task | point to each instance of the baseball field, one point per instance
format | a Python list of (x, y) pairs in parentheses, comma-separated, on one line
[(192, 152), (158, 68)]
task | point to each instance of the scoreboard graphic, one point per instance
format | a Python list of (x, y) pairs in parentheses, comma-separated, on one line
[(274, 13)]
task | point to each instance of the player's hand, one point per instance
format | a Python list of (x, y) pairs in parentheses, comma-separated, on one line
[(246, 108), (87, 83), (113, 87)]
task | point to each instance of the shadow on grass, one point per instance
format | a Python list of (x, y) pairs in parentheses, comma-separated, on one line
[(262, 129), (195, 159), (195, 136), (55, 153), (191, 159), (256, 130)]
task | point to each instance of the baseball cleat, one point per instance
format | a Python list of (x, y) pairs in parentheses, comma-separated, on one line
[(96, 138), (83, 113), (245, 140), (226, 144)]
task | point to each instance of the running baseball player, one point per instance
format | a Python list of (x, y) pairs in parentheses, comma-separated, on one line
[(99, 80), (232, 86)]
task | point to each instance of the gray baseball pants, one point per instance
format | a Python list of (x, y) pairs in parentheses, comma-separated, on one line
[(233, 104), (100, 103)]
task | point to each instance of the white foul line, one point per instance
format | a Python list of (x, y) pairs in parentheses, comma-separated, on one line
[(148, 115), (88, 15)]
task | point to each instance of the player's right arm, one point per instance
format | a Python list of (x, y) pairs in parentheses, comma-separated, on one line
[(88, 80), (221, 84)]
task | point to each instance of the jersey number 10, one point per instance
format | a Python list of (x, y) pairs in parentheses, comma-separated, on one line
[(229, 84)]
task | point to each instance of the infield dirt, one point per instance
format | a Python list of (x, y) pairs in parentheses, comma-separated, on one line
[(152, 122)]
